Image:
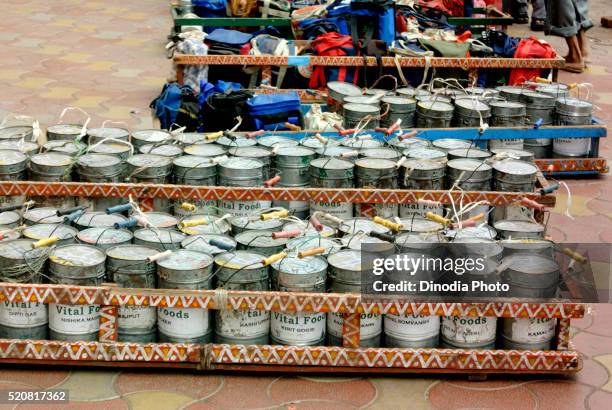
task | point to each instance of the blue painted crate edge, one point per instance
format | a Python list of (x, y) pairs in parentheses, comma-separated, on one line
[(473, 133)]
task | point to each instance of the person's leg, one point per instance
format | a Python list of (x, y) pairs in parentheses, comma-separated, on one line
[(574, 61), (582, 18), (520, 11), (561, 21), (583, 44), (538, 15)]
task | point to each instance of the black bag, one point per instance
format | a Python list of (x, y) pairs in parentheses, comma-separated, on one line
[(188, 114), (221, 109), (378, 49), (177, 106)]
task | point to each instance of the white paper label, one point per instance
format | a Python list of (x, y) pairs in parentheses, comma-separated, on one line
[(571, 146), (136, 317), (412, 327), (23, 314), (243, 208), (183, 322), (407, 210), (370, 325), (469, 329), (299, 327), (515, 143), (343, 210), (203, 206), (532, 330), (542, 142), (12, 200), (59, 202), (382, 210), (74, 319), (242, 323), (293, 205)]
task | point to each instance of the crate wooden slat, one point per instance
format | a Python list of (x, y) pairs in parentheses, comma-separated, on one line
[(354, 195), (446, 62), (279, 301), (289, 358)]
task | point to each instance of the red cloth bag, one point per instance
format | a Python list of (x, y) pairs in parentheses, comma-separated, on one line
[(530, 48)]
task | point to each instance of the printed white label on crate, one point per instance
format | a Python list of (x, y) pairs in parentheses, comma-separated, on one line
[(137, 317), (370, 325), (411, 327), (469, 329), (291, 205), (372, 210), (59, 202), (543, 142), (299, 327), (243, 208), (532, 330), (514, 143), (11, 200), (242, 323), (571, 146), (203, 206), (343, 210), (183, 322), (407, 210), (23, 314), (74, 319)]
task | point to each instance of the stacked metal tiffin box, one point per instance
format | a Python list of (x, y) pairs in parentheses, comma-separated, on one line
[(228, 244), (204, 251), (159, 157), (532, 104)]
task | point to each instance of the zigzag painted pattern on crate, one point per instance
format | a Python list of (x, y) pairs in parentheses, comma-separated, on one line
[(465, 63), (100, 351), (573, 164), (458, 359), (19, 188), (351, 326), (276, 301), (443, 359), (108, 324)]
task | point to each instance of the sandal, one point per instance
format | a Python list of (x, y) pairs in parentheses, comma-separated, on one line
[(493, 11), (537, 25), (573, 67), (521, 20)]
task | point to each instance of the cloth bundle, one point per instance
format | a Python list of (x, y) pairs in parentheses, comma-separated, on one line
[(273, 111)]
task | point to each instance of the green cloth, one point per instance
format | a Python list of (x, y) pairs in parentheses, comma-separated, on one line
[(445, 48)]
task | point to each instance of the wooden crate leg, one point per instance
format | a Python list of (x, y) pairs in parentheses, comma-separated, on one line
[(180, 73), (350, 329), (266, 75), (108, 324), (563, 334)]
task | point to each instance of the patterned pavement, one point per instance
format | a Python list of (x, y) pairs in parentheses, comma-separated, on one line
[(108, 59)]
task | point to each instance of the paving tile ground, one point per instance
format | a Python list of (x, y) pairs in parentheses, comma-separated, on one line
[(108, 59)]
